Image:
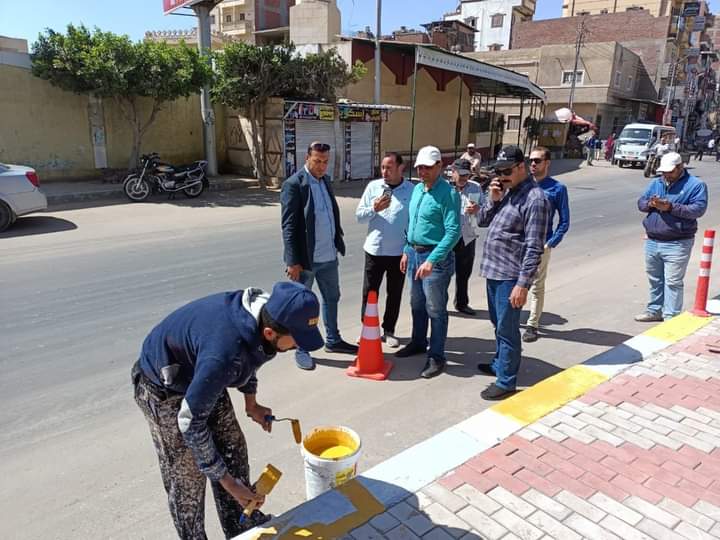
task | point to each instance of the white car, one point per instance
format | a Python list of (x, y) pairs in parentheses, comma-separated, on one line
[(19, 193)]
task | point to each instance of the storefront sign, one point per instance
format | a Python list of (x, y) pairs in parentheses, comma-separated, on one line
[(357, 114), (309, 111)]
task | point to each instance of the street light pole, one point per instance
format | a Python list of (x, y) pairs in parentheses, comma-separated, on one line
[(378, 57), (202, 11)]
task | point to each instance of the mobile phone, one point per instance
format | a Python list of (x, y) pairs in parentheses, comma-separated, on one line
[(387, 192)]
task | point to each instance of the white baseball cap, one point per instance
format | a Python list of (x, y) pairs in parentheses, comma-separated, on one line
[(669, 161), (428, 156), (470, 145)]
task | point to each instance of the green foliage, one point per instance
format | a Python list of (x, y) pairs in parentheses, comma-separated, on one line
[(248, 75), (109, 65)]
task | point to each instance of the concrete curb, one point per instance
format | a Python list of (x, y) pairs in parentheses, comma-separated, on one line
[(115, 192), (336, 513)]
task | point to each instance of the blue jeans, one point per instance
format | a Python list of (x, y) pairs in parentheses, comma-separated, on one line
[(506, 320), (328, 279), (665, 264), (428, 302)]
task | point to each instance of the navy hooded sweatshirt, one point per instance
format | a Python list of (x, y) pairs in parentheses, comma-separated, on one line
[(688, 197), (200, 350)]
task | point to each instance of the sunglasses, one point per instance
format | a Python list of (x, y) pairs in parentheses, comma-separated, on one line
[(505, 172), (536, 160)]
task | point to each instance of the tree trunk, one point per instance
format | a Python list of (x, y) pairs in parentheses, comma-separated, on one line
[(249, 126), (128, 107)]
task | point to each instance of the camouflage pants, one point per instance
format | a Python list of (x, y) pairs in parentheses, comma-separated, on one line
[(184, 483)]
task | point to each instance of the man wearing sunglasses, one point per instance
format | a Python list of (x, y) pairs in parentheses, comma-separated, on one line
[(428, 259), (557, 196), (313, 237), (516, 214)]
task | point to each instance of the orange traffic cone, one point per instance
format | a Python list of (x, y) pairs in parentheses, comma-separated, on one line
[(370, 362)]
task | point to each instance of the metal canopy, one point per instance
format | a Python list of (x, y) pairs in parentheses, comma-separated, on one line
[(486, 78)]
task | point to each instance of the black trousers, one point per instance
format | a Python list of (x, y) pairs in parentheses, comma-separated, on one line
[(377, 266), (464, 260)]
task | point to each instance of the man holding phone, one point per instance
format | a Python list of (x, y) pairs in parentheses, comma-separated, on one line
[(384, 206), (516, 214), (673, 203)]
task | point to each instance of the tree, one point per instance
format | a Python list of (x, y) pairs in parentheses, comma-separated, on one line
[(246, 76), (113, 67)]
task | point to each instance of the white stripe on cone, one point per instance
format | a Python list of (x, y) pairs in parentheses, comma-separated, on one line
[(371, 310), (372, 332), (706, 257), (708, 241), (704, 272)]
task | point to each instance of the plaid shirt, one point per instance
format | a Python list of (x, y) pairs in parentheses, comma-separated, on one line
[(516, 235)]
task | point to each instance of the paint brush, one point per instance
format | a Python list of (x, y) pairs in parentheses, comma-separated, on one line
[(264, 485), (294, 423)]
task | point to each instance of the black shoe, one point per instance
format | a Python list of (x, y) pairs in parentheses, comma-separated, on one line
[(341, 347), (487, 369), (467, 310), (495, 393), (256, 519), (530, 335), (411, 349), (432, 368)]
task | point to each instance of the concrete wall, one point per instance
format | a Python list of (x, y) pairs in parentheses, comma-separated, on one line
[(435, 115), (49, 129), (483, 11), (655, 7), (314, 22)]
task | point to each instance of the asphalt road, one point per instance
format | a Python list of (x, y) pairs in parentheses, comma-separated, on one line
[(81, 287)]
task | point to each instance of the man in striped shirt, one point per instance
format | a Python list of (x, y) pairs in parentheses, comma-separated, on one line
[(516, 214)]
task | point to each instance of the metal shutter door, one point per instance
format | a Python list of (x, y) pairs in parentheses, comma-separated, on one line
[(308, 131), (361, 166)]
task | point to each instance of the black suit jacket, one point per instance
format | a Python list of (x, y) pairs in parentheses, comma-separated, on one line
[(298, 220)]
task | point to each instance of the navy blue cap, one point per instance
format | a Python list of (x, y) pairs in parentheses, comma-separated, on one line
[(507, 157), (296, 307)]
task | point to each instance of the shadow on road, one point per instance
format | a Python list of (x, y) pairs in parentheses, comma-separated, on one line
[(589, 336), (32, 225)]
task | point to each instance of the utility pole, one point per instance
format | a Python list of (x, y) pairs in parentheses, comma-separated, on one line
[(579, 41), (202, 11), (378, 57)]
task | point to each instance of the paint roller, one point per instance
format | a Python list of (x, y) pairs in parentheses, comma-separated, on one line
[(265, 484), (294, 423)]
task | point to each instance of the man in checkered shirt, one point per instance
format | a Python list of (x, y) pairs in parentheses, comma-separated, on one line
[(517, 215)]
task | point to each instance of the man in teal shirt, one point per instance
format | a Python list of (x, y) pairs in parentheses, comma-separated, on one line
[(428, 259)]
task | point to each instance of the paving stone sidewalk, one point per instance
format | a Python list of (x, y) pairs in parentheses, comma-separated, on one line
[(636, 457)]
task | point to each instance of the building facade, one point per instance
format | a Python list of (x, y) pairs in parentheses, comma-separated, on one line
[(493, 20), (657, 8)]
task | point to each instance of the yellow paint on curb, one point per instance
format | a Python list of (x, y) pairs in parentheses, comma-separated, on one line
[(544, 397), (366, 506), (678, 327)]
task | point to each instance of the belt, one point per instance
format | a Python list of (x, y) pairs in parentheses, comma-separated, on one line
[(422, 249)]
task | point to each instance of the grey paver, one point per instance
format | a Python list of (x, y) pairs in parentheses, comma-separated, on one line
[(686, 514), (662, 411), (443, 517), (529, 434), (619, 510), (580, 506), (546, 504), (691, 414), (623, 530), (620, 421), (366, 532), (549, 432), (588, 529), (519, 526), (652, 511), (653, 425), (444, 496), (671, 443), (511, 502), (707, 428), (477, 499), (634, 409), (480, 521), (552, 526), (674, 425), (401, 533), (411, 517), (593, 421), (575, 433), (633, 438), (384, 522), (603, 435), (438, 533), (655, 530), (688, 531)]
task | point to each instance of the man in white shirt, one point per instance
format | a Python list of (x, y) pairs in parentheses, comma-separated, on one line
[(473, 157), (384, 206), (471, 199)]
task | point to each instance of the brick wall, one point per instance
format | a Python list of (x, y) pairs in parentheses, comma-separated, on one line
[(627, 26)]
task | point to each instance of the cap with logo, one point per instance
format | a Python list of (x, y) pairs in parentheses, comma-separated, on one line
[(669, 161), (462, 166), (509, 156), (296, 307), (428, 156)]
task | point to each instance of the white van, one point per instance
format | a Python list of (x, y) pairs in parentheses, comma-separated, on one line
[(632, 146)]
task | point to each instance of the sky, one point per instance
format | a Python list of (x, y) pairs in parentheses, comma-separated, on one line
[(27, 18)]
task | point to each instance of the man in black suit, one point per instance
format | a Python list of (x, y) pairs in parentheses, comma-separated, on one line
[(313, 237)]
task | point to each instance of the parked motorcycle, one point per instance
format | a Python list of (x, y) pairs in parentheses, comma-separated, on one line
[(158, 177)]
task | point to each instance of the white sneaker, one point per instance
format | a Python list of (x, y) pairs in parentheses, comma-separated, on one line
[(390, 340)]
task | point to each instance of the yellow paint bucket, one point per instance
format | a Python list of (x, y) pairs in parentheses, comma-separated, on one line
[(331, 454)]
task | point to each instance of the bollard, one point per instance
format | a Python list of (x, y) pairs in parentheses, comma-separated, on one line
[(703, 282)]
